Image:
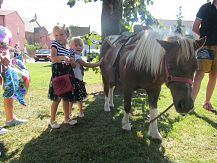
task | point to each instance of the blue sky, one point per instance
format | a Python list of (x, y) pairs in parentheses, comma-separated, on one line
[(51, 12)]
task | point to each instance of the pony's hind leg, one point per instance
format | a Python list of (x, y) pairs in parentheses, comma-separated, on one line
[(106, 105), (109, 99), (127, 106), (106, 92), (110, 95)]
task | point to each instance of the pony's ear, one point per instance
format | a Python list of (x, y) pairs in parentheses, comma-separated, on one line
[(167, 44), (199, 43)]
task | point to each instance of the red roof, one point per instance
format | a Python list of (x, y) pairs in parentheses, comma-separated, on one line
[(6, 12)]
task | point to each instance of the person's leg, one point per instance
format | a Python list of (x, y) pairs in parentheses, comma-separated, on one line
[(54, 107), (67, 120), (71, 114), (11, 119), (197, 82), (209, 91), (211, 85), (211, 81), (9, 108), (66, 110), (80, 108)]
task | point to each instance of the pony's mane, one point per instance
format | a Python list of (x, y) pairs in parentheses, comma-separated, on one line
[(148, 53), (187, 49)]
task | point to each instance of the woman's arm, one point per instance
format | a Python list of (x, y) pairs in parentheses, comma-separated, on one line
[(55, 58), (196, 26)]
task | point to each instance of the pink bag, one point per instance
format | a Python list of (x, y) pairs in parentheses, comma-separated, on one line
[(62, 84)]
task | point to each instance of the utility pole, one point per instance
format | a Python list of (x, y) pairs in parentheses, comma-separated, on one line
[(89, 36)]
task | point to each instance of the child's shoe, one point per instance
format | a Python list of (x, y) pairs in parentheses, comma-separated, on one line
[(81, 114), (71, 122), (3, 130), (54, 125), (208, 106)]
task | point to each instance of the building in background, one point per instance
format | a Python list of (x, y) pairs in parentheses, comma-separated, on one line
[(12, 20), (170, 25), (35, 33)]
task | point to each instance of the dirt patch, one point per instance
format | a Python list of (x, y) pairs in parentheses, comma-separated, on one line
[(94, 88)]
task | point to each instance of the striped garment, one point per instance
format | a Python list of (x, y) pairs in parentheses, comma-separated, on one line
[(61, 50)]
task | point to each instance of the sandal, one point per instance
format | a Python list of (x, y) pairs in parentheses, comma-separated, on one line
[(208, 106)]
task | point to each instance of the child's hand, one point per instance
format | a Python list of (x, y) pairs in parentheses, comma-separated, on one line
[(73, 63), (100, 61), (67, 60)]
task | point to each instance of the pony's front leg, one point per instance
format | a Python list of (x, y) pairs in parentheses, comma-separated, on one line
[(153, 95), (153, 127), (127, 106)]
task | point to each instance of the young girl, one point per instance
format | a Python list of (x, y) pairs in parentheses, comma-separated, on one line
[(77, 45), (61, 64)]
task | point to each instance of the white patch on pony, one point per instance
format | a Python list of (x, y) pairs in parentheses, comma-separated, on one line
[(125, 122), (153, 128), (106, 105), (110, 96)]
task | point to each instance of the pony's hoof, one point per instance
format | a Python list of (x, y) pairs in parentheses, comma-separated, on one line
[(107, 109), (127, 127), (111, 105), (158, 141), (156, 138)]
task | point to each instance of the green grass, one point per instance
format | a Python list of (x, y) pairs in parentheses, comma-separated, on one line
[(98, 136)]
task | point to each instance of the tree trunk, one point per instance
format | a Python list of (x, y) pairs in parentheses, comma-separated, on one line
[(111, 17)]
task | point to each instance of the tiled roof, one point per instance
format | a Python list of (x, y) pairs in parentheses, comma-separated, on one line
[(6, 12)]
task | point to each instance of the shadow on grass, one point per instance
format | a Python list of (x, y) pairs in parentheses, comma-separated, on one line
[(97, 137), (4, 149), (212, 123), (48, 65)]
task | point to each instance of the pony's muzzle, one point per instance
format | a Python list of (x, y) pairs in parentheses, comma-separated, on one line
[(184, 106)]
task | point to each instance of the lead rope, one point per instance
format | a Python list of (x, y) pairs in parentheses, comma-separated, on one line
[(152, 120)]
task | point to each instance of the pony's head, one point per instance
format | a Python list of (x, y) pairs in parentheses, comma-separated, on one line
[(5, 38), (179, 65)]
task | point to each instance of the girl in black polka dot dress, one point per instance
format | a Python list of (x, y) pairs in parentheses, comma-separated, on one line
[(80, 93)]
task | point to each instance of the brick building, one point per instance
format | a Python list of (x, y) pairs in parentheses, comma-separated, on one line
[(12, 20)]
